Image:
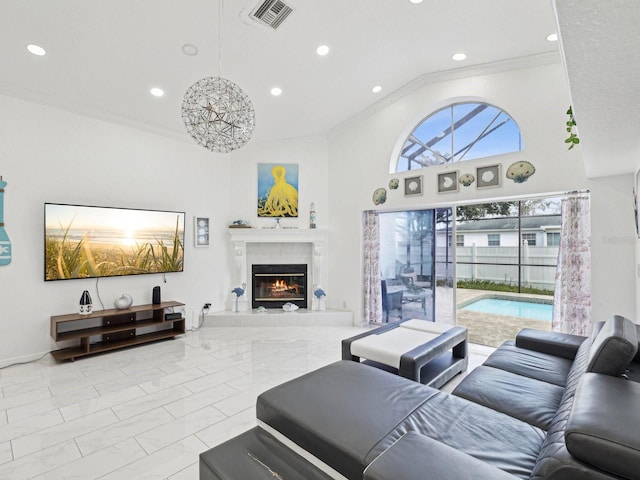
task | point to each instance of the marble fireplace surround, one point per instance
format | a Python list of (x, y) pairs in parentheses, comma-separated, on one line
[(278, 245)]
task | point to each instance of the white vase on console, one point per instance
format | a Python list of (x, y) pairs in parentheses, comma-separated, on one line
[(123, 301)]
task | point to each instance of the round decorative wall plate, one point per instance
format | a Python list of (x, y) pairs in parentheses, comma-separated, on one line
[(394, 183)]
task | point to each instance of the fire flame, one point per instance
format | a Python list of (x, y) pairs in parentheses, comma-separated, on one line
[(281, 286)]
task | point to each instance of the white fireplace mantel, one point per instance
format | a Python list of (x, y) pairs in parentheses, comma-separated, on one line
[(278, 235), (241, 237)]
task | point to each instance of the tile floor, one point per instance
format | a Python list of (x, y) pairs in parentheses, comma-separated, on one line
[(148, 412)]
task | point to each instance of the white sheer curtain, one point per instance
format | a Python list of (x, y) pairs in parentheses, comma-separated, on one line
[(371, 268), (572, 297)]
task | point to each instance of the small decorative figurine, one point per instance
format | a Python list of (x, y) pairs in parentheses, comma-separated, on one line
[(290, 307), (86, 305), (312, 216)]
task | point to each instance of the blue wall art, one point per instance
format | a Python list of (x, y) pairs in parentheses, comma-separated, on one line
[(5, 243)]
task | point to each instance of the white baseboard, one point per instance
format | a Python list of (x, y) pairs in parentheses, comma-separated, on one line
[(278, 318)]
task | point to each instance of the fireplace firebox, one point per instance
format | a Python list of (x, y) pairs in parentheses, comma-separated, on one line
[(275, 285)]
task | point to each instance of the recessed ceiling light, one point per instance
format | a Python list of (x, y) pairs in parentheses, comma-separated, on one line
[(157, 92), (276, 91), (322, 50), (552, 37), (36, 49), (458, 57), (377, 89), (415, 1), (189, 49)]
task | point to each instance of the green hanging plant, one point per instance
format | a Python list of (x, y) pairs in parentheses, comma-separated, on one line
[(572, 139)]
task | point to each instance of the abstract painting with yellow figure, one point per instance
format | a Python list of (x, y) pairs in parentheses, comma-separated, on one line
[(277, 190)]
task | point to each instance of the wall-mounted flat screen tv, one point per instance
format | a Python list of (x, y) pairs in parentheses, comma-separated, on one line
[(91, 242)]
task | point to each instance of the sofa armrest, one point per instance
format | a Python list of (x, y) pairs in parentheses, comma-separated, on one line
[(418, 456), (554, 343), (602, 428)]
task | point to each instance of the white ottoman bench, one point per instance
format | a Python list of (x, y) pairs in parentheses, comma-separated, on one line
[(426, 352)]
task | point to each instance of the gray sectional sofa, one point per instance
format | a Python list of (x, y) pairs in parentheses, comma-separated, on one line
[(545, 406)]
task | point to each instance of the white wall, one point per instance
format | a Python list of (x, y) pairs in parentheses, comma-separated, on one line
[(537, 98), (50, 155), (613, 246), (309, 153)]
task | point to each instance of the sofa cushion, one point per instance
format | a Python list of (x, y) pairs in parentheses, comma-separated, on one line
[(417, 456), (614, 347), (530, 363), (524, 398), (603, 425), (341, 411), (492, 437)]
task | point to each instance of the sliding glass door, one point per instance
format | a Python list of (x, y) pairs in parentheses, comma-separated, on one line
[(506, 255), (414, 265), (450, 266)]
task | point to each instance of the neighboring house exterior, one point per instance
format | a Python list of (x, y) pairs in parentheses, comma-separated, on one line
[(539, 231), (490, 250)]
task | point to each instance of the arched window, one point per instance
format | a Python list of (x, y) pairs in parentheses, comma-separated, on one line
[(462, 131)]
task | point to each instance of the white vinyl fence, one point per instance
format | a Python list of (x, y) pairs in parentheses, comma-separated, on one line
[(500, 265)]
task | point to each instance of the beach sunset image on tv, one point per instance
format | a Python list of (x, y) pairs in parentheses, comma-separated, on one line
[(89, 242)]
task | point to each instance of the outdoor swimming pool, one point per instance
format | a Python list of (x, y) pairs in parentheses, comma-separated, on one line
[(513, 308)]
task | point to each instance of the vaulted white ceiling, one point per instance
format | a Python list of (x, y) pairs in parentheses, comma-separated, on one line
[(601, 46), (104, 56)]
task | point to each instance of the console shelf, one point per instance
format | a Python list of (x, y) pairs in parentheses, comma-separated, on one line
[(116, 329)]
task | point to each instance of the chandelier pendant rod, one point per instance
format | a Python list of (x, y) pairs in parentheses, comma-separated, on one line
[(220, 13), (216, 112)]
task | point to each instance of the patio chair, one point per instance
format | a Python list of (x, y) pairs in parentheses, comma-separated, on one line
[(391, 301)]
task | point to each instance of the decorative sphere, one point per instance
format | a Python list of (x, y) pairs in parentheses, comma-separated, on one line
[(218, 114)]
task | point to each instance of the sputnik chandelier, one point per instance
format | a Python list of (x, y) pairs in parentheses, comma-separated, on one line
[(217, 113)]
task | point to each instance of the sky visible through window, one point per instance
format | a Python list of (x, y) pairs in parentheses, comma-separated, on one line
[(460, 132)]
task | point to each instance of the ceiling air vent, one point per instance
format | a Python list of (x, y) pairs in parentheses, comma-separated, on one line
[(272, 13)]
